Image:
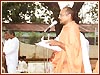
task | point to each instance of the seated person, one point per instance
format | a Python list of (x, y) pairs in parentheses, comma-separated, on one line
[(22, 65)]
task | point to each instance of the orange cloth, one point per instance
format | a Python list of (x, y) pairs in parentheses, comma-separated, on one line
[(70, 59), (96, 70)]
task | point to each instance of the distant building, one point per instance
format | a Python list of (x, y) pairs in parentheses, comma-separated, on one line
[(92, 29)]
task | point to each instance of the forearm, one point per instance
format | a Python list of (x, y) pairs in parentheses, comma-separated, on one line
[(61, 45), (56, 43)]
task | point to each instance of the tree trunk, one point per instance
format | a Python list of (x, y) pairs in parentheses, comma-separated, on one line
[(76, 7)]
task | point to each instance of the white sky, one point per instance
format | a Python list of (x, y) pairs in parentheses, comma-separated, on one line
[(62, 4), (84, 9)]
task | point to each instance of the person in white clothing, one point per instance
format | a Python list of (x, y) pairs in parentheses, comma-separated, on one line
[(5, 46), (10, 50), (5, 43), (22, 65)]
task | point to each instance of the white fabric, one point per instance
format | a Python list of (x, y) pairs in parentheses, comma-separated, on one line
[(85, 54), (6, 45), (11, 48), (46, 45), (22, 66), (57, 38)]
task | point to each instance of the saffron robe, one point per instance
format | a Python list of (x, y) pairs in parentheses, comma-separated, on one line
[(70, 59), (96, 70)]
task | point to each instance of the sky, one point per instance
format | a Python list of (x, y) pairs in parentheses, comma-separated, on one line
[(83, 11), (62, 4)]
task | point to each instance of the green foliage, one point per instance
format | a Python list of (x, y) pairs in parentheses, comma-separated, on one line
[(19, 34), (89, 13), (12, 10), (34, 38), (16, 12)]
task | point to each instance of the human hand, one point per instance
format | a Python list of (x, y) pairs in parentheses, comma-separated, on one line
[(53, 43), (57, 43)]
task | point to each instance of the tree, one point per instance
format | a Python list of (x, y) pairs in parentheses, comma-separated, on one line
[(16, 12), (89, 13), (54, 7), (76, 7)]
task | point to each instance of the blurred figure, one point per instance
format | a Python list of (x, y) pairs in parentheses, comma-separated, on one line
[(22, 65), (10, 50), (85, 53), (3, 61), (5, 44), (69, 59)]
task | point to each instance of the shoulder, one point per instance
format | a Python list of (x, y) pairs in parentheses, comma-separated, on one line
[(74, 25), (15, 39), (9, 40)]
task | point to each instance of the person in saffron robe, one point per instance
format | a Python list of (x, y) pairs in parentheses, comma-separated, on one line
[(69, 59)]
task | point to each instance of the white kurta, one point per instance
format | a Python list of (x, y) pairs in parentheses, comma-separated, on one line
[(11, 50), (85, 54)]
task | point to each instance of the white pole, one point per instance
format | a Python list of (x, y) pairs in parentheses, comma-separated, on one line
[(47, 68), (44, 61), (95, 37)]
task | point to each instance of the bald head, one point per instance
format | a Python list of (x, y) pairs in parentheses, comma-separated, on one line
[(69, 10)]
